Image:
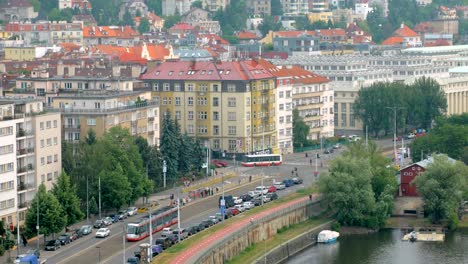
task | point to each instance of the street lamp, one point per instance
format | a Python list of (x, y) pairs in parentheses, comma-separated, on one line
[(394, 108), (99, 256), (164, 173), (99, 186)]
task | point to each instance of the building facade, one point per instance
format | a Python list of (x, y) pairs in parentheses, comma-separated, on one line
[(47, 32), (258, 7), (295, 7), (229, 105), (30, 151)]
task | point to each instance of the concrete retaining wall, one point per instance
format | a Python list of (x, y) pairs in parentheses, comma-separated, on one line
[(233, 244)]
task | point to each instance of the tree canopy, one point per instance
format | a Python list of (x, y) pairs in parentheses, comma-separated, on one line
[(300, 130), (65, 192)]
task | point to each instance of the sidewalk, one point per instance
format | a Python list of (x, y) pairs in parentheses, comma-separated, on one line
[(162, 198)]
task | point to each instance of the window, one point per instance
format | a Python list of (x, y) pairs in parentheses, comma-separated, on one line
[(202, 115), (281, 106), (232, 130), (215, 130), (231, 116), (231, 88), (6, 167), (6, 186), (49, 159), (216, 143), (190, 115), (288, 119), (190, 100), (166, 87), (247, 101), (190, 87), (190, 129), (215, 101), (177, 101), (281, 132), (231, 101), (281, 119), (55, 123), (202, 101), (49, 142), (42, 143), (91, 121), (6, 131), (288, 94), (55, 141), (177, 115), (48, 124), (42, 160), (49, 176), (215, 88), (155, 86), (6, 149), (204, 88), (232, 144), (68, 85), (247, 116), (177, 87), (55, 157), (281, 94), (202, 130), (41, 125), (7, 204), (56, 174)]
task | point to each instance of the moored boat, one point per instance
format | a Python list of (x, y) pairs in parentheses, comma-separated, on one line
[(327, 236)]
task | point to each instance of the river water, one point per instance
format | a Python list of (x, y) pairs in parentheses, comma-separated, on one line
[(386, 247)]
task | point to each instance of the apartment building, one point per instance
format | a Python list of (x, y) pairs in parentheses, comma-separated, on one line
[(101, 110), (171, 7), (30, 154), (47, 32), (214, 5), (258, 7), (110, 35), (230, 105), (295, 7)]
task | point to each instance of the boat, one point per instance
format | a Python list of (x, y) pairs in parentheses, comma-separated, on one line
[(327, 236)]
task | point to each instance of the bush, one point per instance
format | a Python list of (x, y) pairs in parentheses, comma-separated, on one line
[(453, 221), (335, 226)]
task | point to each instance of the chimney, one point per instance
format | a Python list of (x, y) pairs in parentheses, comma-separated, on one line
[(402, 25)]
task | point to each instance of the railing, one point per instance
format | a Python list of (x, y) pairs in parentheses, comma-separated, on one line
[(24, 186), (104, 110), (25, 168), (24, 151), (24, 204), (72, 126), (150, 118)]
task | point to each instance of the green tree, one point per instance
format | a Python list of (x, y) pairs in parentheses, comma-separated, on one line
[(65, 192), (300, 130), (302, 23), (198, 155), (197, 3), (171, 21), (185, 154), (115, 188), (144, 26), (169, 146), (52, 219), (268, 24), (91, 137), (276, 8), (155, 6), (431, 100), (442, 187), (127, 19)]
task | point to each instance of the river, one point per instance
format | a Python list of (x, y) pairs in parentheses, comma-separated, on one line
[(386, 247)]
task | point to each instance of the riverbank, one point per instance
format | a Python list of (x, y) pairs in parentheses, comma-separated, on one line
[(256, 251)]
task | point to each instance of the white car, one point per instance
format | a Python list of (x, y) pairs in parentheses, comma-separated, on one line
[(255, 194), (266, 199), (103, 232), (410, 136), (279, 185), (166, 231), (262, 189), (132, 211), (213, 218), (237, 200), (239, 207), (248, 205)]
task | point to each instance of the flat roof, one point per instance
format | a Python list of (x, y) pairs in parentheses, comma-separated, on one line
[(433, 50)]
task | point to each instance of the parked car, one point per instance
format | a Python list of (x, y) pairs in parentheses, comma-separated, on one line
[(239, 207), (78, 232), (246, 197), (201, 227), (254, 194), (72, 235), (272, 196), (193, 230), (108, 221), (64, 239), (213, 218), (166, 231), (266, 199), (227, 214), (164, 242), (219, 163), (297, 180), (262, 189), (337, 146), (181, 232), (326, 151), (279, 185), (248, 205), (174, 239), (53, 245), (156, 250), (237, 200), (103, 232), (133, 260), (86, 230), (410, 136), (207, 223), (234, 211), (123, 214), (288, 182), (272, 189), (257, 201), (34, 252), (114, 218), (131, 211), (99, 224)]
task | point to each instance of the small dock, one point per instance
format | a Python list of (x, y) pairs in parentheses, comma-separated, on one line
[(425, 236)]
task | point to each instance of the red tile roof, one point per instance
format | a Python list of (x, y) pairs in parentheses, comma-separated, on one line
[(182, 26), (438, 42), (425, 27), (297, 73), (331, 32), (245, 35), (16, 3), (109, 32), (154, 52), (404, 31), (392, 41)]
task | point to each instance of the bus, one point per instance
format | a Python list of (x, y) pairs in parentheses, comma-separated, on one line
[(261, 160), (161, 218)]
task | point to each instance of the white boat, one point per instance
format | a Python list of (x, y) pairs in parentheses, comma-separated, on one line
[(327, 236)]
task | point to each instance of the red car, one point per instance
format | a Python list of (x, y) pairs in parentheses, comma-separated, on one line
[(235, 211), (271, 189), (219, 163)]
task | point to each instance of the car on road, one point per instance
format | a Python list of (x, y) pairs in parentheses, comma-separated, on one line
[(257, 201), (181, 232), (164, 242), (86, 230), (279, 185), (34, 252), (337, 146), (297, 180), (99, 223), (214, 219), (410, 136), (262, 189), (207, 223), (239, 207), (123, 214), (133, 260), (166, 231), (219, 163), (193, 230), (103, 232), (64, 239), (272, 196), (272, 189), (255, 193), (53, 245), (237, 200), (234, 211), (246, 197), (108, 221), (248, 205), (131, 211), (288, 183), (72, 235)]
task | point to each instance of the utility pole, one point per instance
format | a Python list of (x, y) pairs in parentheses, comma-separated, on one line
[(207, 158), (223, 202), (164, 173), (37, 226), (367, 138), (99, 184), (394, 108), (87, 200), (18, 231), (123, 238), (178, 215), (150, 236)]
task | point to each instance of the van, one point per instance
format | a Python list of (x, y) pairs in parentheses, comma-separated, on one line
[(228, 201)]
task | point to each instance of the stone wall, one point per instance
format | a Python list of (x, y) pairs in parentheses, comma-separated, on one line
[(260, 230)]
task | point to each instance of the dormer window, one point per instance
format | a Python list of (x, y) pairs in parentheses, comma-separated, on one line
[(170, 73)]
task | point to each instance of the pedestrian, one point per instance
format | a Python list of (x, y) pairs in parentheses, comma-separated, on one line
[(217, 189), (310, 161), (25, 241), (295, 168), (250, 178), (306, 155), (292, 173), (239, 181), (310, 197)]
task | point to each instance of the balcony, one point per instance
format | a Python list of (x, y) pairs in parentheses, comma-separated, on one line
[(23, 169), (72, 126), (150, 118), (24, 204), (24, 151), (151, 133), (22, 133), (24, 186)]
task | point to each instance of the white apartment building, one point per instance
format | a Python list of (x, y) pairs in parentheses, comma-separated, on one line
[(295, 7), (284, 89), (30, 151)]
